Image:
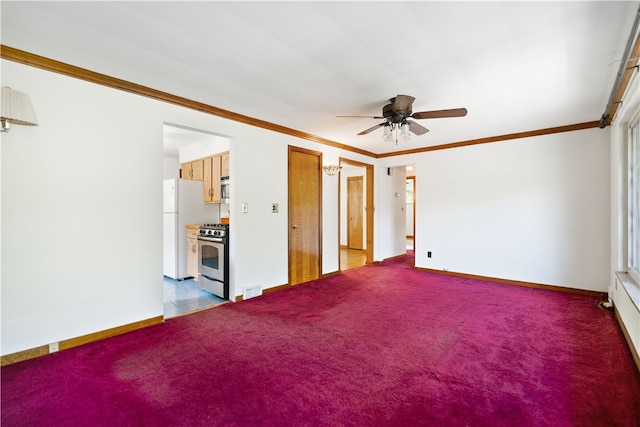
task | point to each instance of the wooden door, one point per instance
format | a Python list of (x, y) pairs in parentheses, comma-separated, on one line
[(305, 214), (354, 212)]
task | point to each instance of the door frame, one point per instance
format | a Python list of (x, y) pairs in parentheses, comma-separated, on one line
[(413, 179), (369, 207)]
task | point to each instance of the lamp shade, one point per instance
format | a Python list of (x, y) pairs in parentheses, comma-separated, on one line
[(404, 133), (17, 108), (388, 134)]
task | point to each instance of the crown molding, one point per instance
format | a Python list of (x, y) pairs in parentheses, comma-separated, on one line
[(33, 60), (499, 138), (26, 58)]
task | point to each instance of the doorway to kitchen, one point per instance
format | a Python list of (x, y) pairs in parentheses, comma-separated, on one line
[(187, 210)]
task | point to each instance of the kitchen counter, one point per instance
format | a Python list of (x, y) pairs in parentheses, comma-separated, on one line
[(193, 226)]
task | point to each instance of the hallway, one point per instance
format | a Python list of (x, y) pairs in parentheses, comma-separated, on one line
[(352, 258)]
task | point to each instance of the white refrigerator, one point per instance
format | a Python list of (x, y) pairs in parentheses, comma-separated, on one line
[(183, 203)]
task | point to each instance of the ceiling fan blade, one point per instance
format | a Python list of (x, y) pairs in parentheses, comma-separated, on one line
[(416, 128), (403, 103), (364, 117), (371, 129), (438, 114)]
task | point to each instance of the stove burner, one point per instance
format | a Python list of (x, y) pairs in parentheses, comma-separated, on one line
[(213, 230)]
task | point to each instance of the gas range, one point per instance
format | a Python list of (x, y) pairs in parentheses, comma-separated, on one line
[(213, 259), (218, 231)]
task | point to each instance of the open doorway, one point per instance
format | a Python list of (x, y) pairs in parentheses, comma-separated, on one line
[(355, 210), (410, 208), (184, 210)]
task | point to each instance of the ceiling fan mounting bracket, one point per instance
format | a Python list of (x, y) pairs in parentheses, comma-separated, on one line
[(394, 116)]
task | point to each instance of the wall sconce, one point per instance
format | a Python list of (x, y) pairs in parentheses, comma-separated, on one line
[(331, 169), (16, 109)]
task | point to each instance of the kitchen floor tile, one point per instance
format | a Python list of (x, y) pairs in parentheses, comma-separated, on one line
[(184, 296)]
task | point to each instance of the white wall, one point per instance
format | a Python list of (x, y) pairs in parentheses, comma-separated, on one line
[(77, 170), (171, 167), (409, 219), (259, 178), (390, 208), (81, 211), (534, 210), (214, 145)]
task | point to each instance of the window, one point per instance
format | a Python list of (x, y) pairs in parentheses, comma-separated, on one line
[(634, 199)]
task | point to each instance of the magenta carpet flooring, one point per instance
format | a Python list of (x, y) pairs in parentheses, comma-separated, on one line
[(380, 345)]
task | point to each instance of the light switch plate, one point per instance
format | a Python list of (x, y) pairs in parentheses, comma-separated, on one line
[(245, 207)]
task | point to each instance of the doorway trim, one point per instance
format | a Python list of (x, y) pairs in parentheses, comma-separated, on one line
[(412, 177), (369, 207)]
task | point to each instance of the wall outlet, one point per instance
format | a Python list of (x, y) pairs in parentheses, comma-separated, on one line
[(429, 254), (275, 208), (53, 347)]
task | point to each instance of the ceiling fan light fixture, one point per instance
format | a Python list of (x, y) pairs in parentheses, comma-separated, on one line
[(387, 135), (405, 136), (397, 127)]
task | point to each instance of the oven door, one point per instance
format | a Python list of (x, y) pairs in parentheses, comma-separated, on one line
[(211, 258)]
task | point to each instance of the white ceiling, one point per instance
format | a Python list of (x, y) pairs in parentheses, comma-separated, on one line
[(177, 137), (516, 66)]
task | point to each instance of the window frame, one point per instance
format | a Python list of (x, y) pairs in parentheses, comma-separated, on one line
[(633, 198)]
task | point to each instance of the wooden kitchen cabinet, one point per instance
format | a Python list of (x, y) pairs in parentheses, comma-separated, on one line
[(212, 173), (192, 252), (224, 165), (194, 170), (210, 170), (185, 171)]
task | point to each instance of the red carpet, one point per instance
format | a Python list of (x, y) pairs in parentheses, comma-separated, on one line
[(380, 345)]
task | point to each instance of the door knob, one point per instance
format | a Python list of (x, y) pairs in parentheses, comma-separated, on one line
[(294, 226)]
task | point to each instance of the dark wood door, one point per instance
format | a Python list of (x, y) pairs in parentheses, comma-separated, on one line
[(354, 212), (305, 207)]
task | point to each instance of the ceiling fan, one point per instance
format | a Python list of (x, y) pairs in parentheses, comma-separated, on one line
[(399, 111)]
